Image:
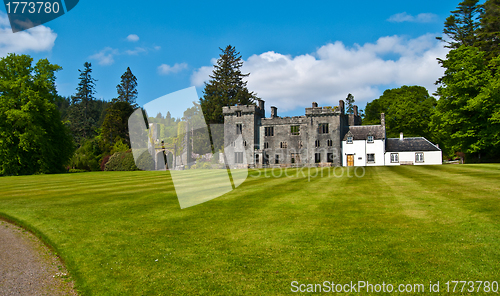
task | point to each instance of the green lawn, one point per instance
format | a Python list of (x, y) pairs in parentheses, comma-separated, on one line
[(123, 233)]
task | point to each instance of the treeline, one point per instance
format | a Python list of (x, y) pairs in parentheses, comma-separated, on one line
[(42, 132), (465, 121)]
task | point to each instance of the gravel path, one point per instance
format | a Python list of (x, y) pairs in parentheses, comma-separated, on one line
[(28, 267)]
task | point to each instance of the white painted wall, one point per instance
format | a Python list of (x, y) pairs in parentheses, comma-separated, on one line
[(430, 157), (360, 148)]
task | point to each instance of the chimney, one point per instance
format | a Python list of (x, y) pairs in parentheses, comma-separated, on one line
[(401, 136), (355, 110), (382, 119), (341, 106), (315, 105), (274, 112), (261, 107), (261, 104)]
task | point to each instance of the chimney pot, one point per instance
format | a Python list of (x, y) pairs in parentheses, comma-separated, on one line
[(401, 136), (314, 105), (274, 112)]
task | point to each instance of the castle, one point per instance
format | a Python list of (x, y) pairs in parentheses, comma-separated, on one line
[(314, 138)]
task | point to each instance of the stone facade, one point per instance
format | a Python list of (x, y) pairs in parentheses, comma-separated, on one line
[(314, 139)]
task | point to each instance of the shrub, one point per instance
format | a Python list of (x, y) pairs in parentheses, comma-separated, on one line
[(121, 161), (146, 162)]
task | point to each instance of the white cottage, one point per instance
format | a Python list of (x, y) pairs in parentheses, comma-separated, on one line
[(412, 151), (366, 145)]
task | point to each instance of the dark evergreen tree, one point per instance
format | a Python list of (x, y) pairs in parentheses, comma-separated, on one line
[(115, 125), (127, 89), (350, 104), (226, 86), (463, 24), (489, 32), (83, 114)]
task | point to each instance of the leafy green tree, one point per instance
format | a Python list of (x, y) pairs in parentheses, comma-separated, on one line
[(407, 109), (468, 111), (83, 115), (127, 89), (463, 23), (33, 138), (226, 86)]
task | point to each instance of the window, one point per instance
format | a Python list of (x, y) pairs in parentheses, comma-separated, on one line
[(370, 158), (266, 158), (276, 159), (239, 128), (245, 143), (294, 130), (329, 157), (323, 128), (419, 157), (238, 157), (317, 157), (256, 158), (284, 145), (349, 140), (266, 145), (317, 143), (269, 131), (295, 158), (370, 139), (301, 144), (329, 143), (238, 113), (394, 157)]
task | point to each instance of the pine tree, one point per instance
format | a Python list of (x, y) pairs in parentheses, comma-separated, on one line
[(350, 104), (463, 24), (489, 33), (226, 86), (84, 116), (127, 91)]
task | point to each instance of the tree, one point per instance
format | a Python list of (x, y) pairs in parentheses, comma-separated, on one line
[(462, 25), (350, 104), (468, 111), (226, 86), (115, 125), (33, 138), (407, 109), (83, 115), (127, 91), (489, 32)]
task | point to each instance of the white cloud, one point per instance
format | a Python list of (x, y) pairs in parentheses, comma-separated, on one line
[(36, 39), (105, 57), (165, 69), (136, 51), (132, 38), (334, 70), (420, 18)]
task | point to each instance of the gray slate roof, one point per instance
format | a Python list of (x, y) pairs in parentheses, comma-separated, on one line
[(409, 144), (361, 132)]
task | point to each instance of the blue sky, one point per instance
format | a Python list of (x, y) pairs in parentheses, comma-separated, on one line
[(296, 52)]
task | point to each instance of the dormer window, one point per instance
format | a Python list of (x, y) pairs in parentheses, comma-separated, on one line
[(370, 139), (349, 140)]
